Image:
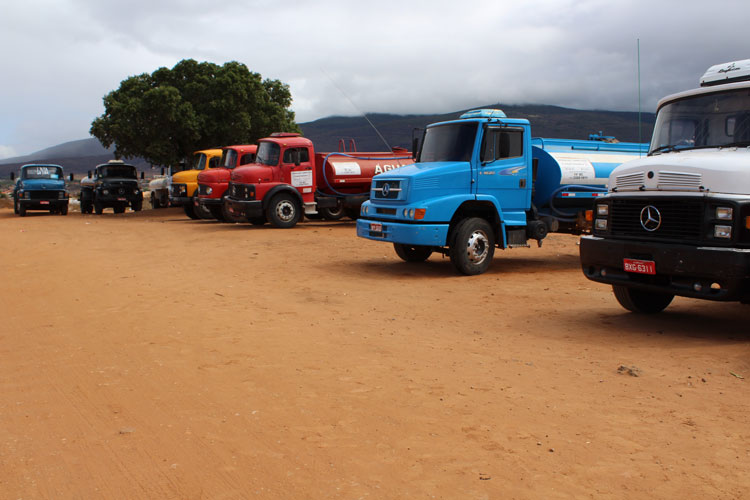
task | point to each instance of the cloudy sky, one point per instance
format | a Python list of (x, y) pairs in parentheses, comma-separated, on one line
[(60, 57)]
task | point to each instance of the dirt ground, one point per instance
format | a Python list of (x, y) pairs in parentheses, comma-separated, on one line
[(146, 355)]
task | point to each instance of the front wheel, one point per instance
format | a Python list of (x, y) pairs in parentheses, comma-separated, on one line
[(473, 246), (283, 211), (641, 301), (21, 210), (412, 253), (15, 206)]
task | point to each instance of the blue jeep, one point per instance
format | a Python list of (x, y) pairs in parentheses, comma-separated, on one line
[(40, 187)]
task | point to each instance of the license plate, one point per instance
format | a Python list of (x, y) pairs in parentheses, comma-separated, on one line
[(374, 226), (639, 266), (44, 203), (121, 199)]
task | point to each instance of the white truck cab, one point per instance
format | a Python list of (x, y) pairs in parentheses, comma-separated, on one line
[(677, 222)]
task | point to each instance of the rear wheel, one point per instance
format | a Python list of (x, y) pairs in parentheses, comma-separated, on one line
[(473, 246), (283, 211), (334, 213), (413, 253), (641, 301)]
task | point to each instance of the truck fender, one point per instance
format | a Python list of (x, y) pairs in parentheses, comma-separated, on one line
[(484, 209), (282, 188)]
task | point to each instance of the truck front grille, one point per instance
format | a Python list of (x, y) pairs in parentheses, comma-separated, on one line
[(45, 195), (387, 189), (242, 191), (681, 219)]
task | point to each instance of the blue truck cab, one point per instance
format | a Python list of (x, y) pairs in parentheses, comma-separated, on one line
[(40, 187), (482, 182)]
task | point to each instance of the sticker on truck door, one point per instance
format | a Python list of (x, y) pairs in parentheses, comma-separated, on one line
[(302, 178)]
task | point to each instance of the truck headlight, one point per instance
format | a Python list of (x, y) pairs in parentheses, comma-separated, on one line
[(724, 213), (723, 232), (365, 209), (602, 209), (209, 190), (601, 224)]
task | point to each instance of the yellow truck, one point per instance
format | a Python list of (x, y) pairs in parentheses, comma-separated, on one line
[(184, 185)]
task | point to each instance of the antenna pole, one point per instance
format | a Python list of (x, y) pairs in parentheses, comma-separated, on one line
[(640, 137)]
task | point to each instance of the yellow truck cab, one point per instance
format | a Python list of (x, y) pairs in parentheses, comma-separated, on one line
[(185, 184)]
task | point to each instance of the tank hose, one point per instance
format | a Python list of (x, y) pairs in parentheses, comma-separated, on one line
[(567, 216), (338, 193)]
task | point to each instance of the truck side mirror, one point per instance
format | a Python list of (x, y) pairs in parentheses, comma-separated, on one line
[(12, 176)]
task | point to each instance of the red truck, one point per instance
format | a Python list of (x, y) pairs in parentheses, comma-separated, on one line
[(289, 178), (212, 184)]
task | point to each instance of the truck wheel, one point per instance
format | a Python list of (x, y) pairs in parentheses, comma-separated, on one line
[(412, 253), (283, 211), (189, 208), (155, 203), (137, 206), (641, 301), (473, 246), (15, 206), (98, 208), (21, 210), (335, 213)]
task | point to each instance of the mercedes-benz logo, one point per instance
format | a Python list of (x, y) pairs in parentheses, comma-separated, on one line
[(650, 218), (386, 189), (121, 190)]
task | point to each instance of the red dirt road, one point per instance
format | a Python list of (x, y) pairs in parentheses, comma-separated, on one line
[(150, 356)]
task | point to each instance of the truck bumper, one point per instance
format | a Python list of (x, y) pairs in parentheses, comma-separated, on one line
[(245, 208), (408, 234), (711, 273), (42, 204), (179, 201)]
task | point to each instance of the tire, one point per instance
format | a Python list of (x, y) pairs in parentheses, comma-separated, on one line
[(86, 207), (155, 203), (333, 213), (473, 246), (98, 208), (15, 205), (283, 211), (412, 253), (21, 210), (137, 206), (641, 301), (64, 209), (189, 208)]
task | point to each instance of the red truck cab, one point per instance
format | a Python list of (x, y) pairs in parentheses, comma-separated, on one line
[(289, 179), (213, 184)]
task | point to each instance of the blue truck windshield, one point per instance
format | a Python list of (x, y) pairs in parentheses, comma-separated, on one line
[(42, 172), (703, 121), (449, 142)]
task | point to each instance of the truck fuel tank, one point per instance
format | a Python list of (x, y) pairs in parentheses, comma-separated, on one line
[(352, 173)]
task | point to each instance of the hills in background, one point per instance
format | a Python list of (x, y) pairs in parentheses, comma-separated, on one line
[(546, 121)]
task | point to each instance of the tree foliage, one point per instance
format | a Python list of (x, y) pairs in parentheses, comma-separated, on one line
[(165, 116)]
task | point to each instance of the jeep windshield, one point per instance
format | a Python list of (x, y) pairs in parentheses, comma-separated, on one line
[(720, 119), (449, 142), (121, 171), (42, 172), (268, 154)]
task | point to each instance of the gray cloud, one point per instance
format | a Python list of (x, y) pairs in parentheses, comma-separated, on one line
[(60, 58)]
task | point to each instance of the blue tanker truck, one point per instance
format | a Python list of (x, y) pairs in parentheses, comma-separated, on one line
[(482, 181)]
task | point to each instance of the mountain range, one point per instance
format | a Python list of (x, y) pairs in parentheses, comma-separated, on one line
[(328, 134)]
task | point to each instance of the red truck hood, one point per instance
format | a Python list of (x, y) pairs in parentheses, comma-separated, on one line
[(214, 176), (252, 174)]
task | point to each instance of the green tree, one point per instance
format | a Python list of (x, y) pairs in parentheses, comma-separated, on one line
[(165, 116)]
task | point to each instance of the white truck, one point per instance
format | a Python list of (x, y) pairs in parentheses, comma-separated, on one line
[(677, 222)]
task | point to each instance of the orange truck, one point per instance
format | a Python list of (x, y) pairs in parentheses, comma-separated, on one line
[(183, 190)]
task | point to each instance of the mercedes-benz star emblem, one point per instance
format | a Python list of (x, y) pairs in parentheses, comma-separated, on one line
[(650, 218), (386, 189)]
